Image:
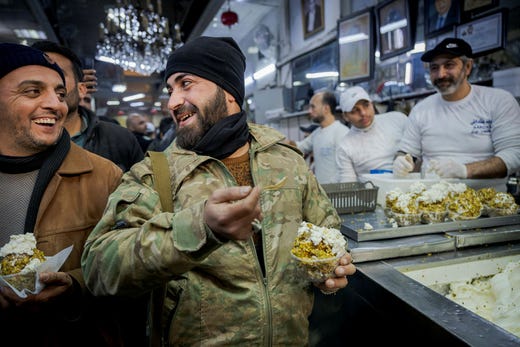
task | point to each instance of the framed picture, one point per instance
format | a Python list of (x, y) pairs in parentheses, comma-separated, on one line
[(472, 8), (393, 28), (440, 16), (484, 34), (313, 17), (433, 41), (356, 47)]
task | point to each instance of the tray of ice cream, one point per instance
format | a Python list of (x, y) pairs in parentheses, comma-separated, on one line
[(425, 209)]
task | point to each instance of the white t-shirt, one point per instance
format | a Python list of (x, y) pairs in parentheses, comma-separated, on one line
[(371, 148), (485, 123), (323, 142)]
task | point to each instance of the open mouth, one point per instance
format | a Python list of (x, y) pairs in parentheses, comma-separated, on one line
[(49, 122), (183, 119)]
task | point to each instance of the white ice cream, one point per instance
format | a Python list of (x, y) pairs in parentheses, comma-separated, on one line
[(495, 298)]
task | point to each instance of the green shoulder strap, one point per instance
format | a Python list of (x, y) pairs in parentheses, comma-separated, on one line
[(161, 174)]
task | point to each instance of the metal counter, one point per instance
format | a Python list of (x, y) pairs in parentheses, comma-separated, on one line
[(382, 299)]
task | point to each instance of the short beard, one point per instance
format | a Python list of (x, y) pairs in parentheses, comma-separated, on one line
[(215, 110), (454, 84)]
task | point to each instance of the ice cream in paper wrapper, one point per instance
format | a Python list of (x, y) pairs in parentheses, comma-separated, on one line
[(318, 251), (21, 262)]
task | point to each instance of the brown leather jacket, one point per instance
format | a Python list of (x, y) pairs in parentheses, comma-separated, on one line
[(71, 205)]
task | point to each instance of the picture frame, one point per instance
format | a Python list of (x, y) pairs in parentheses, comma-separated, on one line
[(356, 47), (472, 8), (440, 16), (484, 34), (313, 17), (393, 28)]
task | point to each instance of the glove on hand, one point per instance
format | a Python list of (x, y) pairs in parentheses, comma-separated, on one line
[(448, 168), (402, 165)]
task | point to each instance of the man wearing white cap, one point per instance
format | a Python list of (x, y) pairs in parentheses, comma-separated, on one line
[(372, 141), (464, 130)]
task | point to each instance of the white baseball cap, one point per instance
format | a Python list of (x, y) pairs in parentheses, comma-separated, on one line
[(351, 96)]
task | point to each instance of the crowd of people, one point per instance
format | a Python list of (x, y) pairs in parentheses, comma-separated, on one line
[(184, 265)]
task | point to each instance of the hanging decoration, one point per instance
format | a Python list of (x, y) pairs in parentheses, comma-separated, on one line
[(135, 38), (229, 18)]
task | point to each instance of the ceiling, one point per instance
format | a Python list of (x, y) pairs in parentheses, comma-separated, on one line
[(75, 23)]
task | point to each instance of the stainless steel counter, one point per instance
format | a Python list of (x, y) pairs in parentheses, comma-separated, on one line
[(400, 310)]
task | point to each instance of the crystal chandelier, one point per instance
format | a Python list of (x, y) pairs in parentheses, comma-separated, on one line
[(135, 38)]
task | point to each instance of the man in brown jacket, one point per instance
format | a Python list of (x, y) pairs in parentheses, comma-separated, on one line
[(56, 190)]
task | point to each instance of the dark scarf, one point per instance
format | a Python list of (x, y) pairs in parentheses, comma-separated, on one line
[(225, 137), (48, 162)]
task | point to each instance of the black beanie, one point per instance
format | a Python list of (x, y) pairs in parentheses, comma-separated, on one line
[(14, 56), (217, 59)]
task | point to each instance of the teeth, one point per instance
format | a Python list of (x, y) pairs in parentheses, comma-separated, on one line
[(45, 121), (186, 116)]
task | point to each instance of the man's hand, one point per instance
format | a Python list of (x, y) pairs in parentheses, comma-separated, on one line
[(448, 168), (57, 284), (403, 165), (344, 269), (229, 212), (90, 80)]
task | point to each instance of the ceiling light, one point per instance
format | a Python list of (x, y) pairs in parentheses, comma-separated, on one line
[(264, 71), (119, 88), (137, 104), (113, 102), (321, 74), (134, 97)]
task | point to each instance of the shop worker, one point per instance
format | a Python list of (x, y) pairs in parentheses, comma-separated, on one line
[(228, 285), (372, 140), (464, 130), (53, 188), (324, 141)]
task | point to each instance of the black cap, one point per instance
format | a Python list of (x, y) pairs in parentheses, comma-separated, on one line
[(450, 45)]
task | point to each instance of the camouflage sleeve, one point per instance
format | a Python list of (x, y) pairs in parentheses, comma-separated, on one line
[(317, 207), (135, 246)]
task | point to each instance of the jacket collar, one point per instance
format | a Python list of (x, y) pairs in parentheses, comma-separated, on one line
[(76, 162)]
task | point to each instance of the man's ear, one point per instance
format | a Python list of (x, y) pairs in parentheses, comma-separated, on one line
[(82, 88)]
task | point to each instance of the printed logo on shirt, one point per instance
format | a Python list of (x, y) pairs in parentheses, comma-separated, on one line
[(481, 126)]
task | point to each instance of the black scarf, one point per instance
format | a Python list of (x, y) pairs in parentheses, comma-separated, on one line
[(48, 162), (225, 137)]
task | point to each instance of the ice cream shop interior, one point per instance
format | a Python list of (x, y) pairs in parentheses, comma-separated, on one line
[(406, 111)]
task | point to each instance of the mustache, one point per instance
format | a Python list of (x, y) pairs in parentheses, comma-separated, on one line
[(443, 80)]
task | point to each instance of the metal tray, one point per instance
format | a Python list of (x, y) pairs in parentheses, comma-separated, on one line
[(353, 226)]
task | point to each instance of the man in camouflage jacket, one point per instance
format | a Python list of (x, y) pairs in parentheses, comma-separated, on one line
[(226, 285)]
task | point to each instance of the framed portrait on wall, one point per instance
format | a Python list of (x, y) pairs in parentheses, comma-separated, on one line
[(393, 28), (356, 47), (472, 8), (440, 16), (484, 34), (313, 16)]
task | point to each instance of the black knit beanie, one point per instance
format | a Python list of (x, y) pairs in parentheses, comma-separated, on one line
[(14, 56), (218, 59)]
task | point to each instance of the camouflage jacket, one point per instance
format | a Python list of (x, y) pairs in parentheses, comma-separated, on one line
[(218, 289)]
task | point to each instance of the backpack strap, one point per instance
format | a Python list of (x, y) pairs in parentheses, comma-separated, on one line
[(161, 173)]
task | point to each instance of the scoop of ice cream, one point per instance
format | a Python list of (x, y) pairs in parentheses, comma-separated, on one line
[(20, 255)]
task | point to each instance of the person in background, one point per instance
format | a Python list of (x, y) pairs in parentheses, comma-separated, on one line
[(137, 124), (108, 140), (372, 140), (165, 136), (464, 130), (226, 284), (323, 142), (56, 190), (307, 131)]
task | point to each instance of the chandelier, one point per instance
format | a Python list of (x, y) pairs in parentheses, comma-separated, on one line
[(136, 38)]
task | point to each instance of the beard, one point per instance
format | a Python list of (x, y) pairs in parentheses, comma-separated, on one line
[(216, 109), (449, 85), (72, 100)]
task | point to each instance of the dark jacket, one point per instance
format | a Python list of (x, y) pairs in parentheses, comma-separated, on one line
[(111, 141)]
